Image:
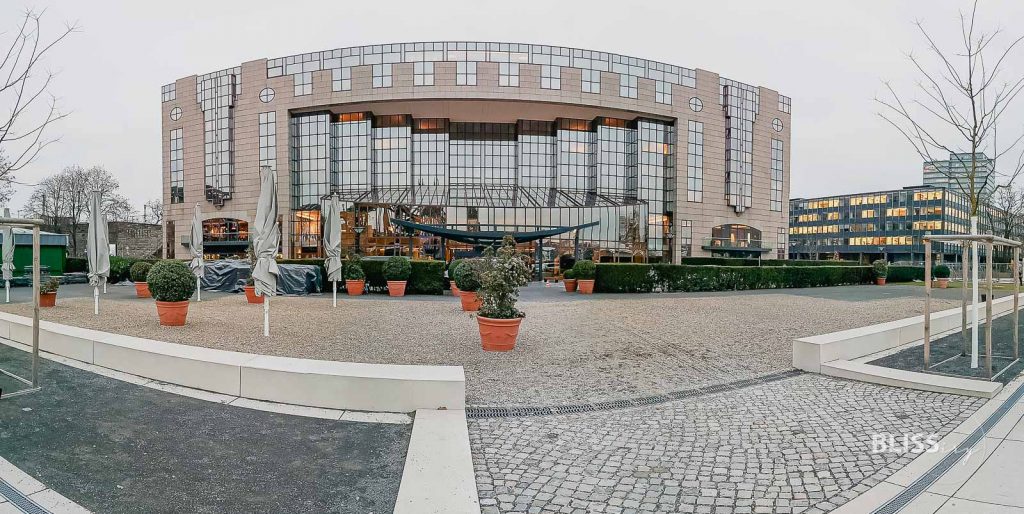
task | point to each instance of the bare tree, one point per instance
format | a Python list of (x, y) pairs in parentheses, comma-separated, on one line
[(153, 211), (1005, 213), (61, 200), (960, 101), (23, 86)]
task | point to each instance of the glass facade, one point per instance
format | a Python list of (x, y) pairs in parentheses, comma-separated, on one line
[(695, 162), (775, 200), (216, 94), (309, 158), (741, 103), (268, 139)]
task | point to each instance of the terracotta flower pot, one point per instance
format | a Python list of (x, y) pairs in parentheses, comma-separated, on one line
[(455, 289), (570, 285), (498, 335), (251, 296), (585, 286), (142, 290), (880, 281), (396, 287), (48, 299), (172, 314), (470, 301), (355, 287), (942, 282)]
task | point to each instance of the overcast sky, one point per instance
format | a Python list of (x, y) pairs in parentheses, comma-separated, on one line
[(829, 56)]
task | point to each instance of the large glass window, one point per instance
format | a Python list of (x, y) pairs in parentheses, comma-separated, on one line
[(392, 161), (382, 75), (483, 154), (550, 77), (616, 159), (663, 92), (303, 83), (341, 79), (508, 74), (430, 160), (351, 159), (216, 95), (775, 202), (576, 171), (536, 154), (591, 81), (695, 162), (423, 73), (177, 158), (628, 86), (465, 73), (741, 103), (309, 158), (268, 139), (655, 177)]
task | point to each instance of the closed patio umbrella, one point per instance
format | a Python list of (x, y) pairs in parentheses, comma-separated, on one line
[(267, 239), (195, 249), (331, 215), (8, 258), (97, 249)]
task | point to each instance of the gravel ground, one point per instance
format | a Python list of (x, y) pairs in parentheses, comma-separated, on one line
[(581, 350)]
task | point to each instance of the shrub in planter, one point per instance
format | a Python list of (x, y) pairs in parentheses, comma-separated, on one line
[(569, 280), (454, 265), (467, 279), (941, 274), (397, 271), (172, 284), (586, 273), (881, 267), (48, 292), (138, 273), (76, 265), (502, 276), (120, 269), (355, 279)]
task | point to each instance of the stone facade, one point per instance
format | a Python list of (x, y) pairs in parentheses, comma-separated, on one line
[(484, 102), (139, 240)]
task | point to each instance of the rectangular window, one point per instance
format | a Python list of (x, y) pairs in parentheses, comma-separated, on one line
[(663, 92), (351, 154), (628, 86), (550, 77), (177, 155), (785, 104), (268, 139), (686, 238), (168, 93), (508, 74), (695, 162), (341, 79), (382, 75), (465, 73), (423, 73), (775, 202), (303, 83), (781, 243), (310, 158), (591, 81)]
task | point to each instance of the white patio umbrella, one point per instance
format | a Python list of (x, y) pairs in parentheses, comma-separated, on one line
[(97, 249), (195, 249), (267, 239), (331, 214), (8, 258)]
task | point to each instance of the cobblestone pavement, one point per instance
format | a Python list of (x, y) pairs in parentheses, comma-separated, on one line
[(799, 445)]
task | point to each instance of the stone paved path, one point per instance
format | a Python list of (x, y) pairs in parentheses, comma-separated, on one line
[(799, 445)]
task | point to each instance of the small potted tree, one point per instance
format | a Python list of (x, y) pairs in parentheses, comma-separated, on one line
[(499, 319), (48, 292), (250, 283), (467, 279), (585, 272), (355, 278), (941, 274), (396, 272), (569, 280), (881, 267), (451, 276), (138, 273), (172, 284)]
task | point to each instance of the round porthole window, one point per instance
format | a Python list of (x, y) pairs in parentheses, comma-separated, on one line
[(696, 105), (777, 125), (176, 114), (267, 95)]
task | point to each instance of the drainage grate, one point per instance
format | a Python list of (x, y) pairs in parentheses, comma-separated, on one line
[(516, 412), (22, 502), (925, 481)]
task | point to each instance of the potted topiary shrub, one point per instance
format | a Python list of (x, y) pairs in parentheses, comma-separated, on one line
[(569, 279), (881, 267), (396, 272), (250, 283), (138, 274), (172, 284), (941, 274), (585, 272), (355, 278), (451, 276), (467, 279), (48, 292), (499, 319)]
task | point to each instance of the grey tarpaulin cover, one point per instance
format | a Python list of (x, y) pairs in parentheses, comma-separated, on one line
[(229, 276)]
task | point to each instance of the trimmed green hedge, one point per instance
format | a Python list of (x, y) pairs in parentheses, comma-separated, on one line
[(644, 278), (75, 265), (120, 268), (905, 274), (728, 261), (427, 276)]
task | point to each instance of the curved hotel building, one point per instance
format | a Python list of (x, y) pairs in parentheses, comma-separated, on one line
[(477, 137)]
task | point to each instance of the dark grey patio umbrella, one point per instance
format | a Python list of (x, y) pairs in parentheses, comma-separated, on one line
[(331, 214), (97, 248), (267, 239)]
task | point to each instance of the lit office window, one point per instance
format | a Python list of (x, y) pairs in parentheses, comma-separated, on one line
[(382, 75), (423, 73), (508, 74), (663, 92), (695, 162), (550, 77), (465, 73), (341, 79), (177, 167), (775, 203), (303, 83), (628, 86), (591, 81)]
